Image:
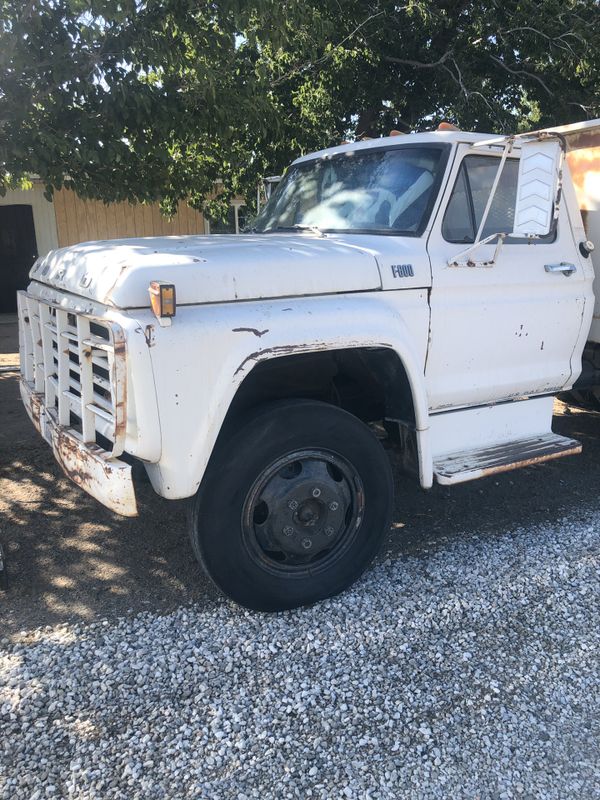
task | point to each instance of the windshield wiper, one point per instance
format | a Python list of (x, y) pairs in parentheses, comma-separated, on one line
[(292, 228)]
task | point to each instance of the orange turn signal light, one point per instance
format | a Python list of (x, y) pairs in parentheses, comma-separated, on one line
[(162, 299)]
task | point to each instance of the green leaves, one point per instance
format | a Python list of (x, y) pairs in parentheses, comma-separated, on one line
[(159, 99)]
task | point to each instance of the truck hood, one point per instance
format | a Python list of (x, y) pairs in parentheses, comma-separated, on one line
[(210, 269)]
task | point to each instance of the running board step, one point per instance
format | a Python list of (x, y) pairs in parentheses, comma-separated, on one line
[(468, 465)]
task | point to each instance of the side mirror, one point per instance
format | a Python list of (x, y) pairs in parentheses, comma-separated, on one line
[(537, 188)]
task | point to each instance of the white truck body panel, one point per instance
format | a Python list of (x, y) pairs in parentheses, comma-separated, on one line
[(508, 330), (489, 425), (224, 268), (200, 383), (466, 337), (209, 269)]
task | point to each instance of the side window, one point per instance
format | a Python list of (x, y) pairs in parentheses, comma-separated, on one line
[(470, 195), (458, 221), (481, 173)]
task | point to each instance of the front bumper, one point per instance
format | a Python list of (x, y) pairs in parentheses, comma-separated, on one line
[(107, 479)]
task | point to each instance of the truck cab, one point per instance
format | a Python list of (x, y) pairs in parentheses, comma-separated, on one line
[(437, 286)]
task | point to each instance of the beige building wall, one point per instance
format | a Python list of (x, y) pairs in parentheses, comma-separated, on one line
[(44, 220), (69, 220)]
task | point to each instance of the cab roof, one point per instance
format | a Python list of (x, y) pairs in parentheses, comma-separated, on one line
[(429, 137)]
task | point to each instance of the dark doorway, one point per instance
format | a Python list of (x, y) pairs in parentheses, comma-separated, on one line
[(18, 251)]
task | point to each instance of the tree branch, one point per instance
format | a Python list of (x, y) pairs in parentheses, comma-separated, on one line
[(564, 45), (326, 56), (420, 64), (521, 72)]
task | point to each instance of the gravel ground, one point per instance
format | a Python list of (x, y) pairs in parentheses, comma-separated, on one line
[(471, 673), (464, 665)]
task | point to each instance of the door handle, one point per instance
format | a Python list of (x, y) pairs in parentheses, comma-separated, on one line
[(564, 267)]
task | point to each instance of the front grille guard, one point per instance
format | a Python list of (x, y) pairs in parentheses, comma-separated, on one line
[(75, 363)]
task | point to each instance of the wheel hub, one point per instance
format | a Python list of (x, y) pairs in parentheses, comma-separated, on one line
[(308, 513), (302, 508)]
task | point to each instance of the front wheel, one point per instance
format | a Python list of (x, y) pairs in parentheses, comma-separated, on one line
[(293, 506)]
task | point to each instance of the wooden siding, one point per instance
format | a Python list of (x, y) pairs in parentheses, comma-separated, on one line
[(80, 220)]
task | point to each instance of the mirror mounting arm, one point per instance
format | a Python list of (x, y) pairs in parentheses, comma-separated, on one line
[(464, 259), (542, 178)]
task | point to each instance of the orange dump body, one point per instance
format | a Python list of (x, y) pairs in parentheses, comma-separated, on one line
[(583, 158)]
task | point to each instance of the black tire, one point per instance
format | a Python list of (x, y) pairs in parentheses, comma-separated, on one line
[(260, 549), (3, 573), (582, 398)]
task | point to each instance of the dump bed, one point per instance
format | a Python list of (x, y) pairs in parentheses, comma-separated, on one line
[(583, 157)]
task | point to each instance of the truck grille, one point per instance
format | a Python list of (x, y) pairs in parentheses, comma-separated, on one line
[(76, 365)]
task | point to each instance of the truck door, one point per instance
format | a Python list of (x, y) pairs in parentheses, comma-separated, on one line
[(512, 329)]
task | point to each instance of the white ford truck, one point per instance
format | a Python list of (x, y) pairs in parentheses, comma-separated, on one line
[(439, 283)]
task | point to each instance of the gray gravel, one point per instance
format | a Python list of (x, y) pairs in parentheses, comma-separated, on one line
[(466, 672)]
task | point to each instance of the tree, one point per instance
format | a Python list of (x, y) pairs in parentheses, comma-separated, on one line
[(159, 99), (486, 65)]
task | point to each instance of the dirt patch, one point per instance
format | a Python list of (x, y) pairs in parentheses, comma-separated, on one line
[(9, 341), (69, 558)]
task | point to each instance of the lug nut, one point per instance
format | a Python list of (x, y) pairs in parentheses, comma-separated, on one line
[(316, 492), (288, 530), (293, 504), (306, 543), (334, 506), (329, 531)]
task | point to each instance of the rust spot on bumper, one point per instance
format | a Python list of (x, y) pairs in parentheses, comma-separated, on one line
[(87, 465), (33, 406)]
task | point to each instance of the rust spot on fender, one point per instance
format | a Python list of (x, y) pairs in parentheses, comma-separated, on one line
[(290, 349), (255, 331), (149, 335), (284, 350)]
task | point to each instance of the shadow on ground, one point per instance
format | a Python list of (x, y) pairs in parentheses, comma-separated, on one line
[(536, 495), (71, 559)]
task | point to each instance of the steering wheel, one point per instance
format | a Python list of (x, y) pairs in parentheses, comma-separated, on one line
[(376, 197)]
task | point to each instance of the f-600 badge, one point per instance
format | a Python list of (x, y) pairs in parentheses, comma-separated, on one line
[(402, 271)]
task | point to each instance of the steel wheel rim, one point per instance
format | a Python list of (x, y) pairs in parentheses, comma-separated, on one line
[(303, 512)]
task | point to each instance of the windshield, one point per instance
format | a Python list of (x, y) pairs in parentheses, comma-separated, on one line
[(368, 191)]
